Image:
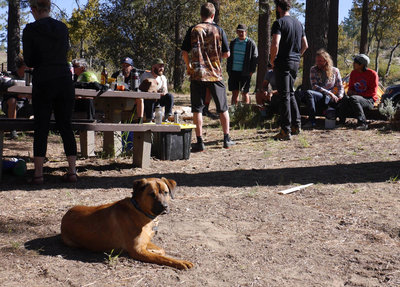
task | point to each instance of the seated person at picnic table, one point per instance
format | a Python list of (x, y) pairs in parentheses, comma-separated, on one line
[(11, 103), (166, 100), (362, 92), (326, 86), (82, 75), (126, 68), (268, 94)]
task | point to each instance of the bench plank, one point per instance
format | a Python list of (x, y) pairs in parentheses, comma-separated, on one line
[(26, 124), (141, 135)]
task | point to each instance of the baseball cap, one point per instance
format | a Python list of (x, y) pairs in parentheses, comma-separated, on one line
[(157, 61), (362, 59), (127, 60), (241, 27)]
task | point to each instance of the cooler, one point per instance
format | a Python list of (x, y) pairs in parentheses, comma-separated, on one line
[(172, 145)]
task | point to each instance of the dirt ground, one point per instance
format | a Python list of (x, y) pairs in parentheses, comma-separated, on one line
[(227, 216)]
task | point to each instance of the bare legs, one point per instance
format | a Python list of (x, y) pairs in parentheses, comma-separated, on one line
[(235, 97), (198, 121)]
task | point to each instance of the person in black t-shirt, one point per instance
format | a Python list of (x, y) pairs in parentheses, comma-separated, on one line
[(288, 45)]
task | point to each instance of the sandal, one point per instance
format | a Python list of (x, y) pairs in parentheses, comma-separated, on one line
[(70, 177), (36, 180)]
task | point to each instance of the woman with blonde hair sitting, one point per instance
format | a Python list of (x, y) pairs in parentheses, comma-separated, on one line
[(326, 86)]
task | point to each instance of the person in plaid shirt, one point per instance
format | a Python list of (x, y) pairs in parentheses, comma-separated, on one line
[(326, 86)]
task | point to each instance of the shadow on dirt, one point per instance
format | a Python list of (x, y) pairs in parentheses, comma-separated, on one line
[(326, 174), (53, 246)]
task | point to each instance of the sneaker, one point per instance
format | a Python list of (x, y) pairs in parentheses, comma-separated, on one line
[(228, 143), (282, 136), (295, 130), (198, 147), (309, 125), (362, 127)]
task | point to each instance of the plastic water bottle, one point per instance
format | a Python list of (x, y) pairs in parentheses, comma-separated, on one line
[(120, 82), (16, 165), (158, 115)]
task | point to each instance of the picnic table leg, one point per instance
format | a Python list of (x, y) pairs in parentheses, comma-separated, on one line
[(141, 149), (1, 154), (112, 144), (87, 140)]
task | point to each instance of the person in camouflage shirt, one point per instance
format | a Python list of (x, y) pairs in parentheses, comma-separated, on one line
[(207, 44)]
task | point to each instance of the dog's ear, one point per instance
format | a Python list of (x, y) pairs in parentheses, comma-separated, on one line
[(171, 185), (138, 185)]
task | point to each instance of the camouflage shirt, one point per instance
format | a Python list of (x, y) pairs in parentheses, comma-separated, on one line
[(206, 42)]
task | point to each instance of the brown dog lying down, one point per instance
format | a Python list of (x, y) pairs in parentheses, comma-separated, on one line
[(124, 225)]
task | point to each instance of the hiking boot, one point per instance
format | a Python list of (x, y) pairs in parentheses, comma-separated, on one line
[(228, 143), (198, 147), (282, 136), (295, 130)]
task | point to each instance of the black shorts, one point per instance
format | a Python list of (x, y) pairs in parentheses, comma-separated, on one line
[(198, 95), (238, 82)]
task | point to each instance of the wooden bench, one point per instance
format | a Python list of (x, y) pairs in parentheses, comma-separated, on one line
[(141, 134)]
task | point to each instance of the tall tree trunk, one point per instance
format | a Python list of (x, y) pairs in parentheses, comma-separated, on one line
[(333, 30), (378, 47), (217, 6), (364, 28), (179, 72), (390, 62), (317, 25), (13, 34), (264, 40), (81, 51)]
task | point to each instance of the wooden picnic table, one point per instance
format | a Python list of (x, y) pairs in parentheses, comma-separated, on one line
[(112, 103)]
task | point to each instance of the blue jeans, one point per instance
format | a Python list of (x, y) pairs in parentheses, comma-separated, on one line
[(315, 99)]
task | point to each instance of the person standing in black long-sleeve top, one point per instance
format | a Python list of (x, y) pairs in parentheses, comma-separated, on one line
[(45, 46)]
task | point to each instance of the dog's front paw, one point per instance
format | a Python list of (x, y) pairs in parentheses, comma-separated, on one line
[(184, 265)]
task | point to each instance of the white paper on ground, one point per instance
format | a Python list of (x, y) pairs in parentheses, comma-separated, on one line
[(293, 189)]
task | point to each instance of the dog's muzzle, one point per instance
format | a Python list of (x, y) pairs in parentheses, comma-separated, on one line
[(161, 208)]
